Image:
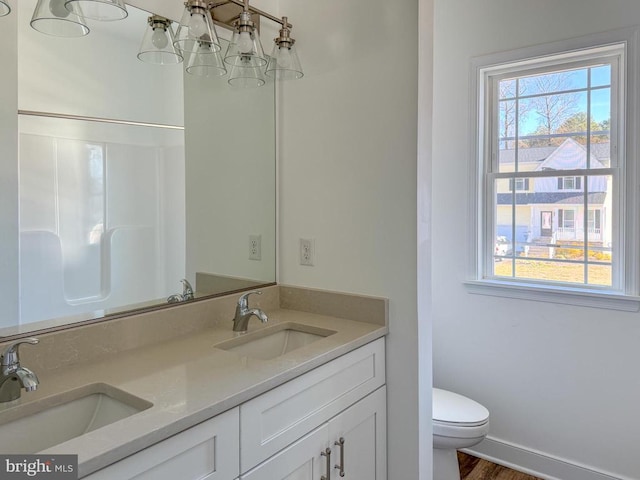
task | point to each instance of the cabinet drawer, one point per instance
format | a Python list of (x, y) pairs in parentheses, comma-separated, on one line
[(208, 451), (277, 418)]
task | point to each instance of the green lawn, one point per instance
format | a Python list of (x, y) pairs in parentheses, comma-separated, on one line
[(559, 272)]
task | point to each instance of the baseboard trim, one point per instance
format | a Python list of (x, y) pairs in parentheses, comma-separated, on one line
[(536, 463)]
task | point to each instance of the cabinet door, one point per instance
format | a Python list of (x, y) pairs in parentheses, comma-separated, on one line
[(362, 428), (279, 417), (300, 461), (207, 451)]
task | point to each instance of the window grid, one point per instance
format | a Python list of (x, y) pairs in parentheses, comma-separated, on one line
[(579, 178)]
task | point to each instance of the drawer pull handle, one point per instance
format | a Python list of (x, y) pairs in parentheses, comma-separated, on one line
[(327, 453), (340, 443)]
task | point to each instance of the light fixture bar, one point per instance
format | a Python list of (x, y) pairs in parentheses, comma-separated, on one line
[(262, 13)]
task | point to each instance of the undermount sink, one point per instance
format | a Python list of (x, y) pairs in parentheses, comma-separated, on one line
[(272, 342), (39, 425)]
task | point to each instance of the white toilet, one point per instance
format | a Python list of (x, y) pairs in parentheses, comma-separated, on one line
[(458, 422)]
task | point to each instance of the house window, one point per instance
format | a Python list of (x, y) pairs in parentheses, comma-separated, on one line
[(569, 183), (594, 221), (567, 220), (550, 164), (521, 184)]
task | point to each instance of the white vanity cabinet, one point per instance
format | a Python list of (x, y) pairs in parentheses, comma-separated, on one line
[(352, 443), (207, 451), (283, 433), (345, 398)]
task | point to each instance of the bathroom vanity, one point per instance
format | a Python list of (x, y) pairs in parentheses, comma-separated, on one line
[(330, 419), (302, 396)]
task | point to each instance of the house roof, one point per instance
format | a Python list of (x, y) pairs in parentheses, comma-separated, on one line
[(567, 198), (570, 155), (600, 151)]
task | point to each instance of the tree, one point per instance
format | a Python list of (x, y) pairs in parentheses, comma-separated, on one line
[(554, 108), (577, 124), (508, 112)]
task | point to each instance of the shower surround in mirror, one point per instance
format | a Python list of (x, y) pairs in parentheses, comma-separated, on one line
[(101, 222)]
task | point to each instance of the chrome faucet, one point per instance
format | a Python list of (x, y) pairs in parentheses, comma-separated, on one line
[(187, 293), (14, 377), (243, 313)]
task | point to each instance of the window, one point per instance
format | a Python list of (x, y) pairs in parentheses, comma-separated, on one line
[(594, 221), (551, 171), (566, 220), (569, 183), (520, 184)]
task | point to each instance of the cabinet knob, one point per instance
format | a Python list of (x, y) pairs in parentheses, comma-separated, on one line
[(327, 453), (340, 443)]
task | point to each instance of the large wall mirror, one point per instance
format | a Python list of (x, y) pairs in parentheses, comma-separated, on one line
[(120, 178)]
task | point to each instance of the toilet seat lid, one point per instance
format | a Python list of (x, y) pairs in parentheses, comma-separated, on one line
[(449, 407)]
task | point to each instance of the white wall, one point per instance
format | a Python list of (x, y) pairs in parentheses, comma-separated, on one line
[(230, 162), (348, 138), (560, 380)]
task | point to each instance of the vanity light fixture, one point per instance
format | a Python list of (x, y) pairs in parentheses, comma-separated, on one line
[(205, 63), (284, 63), (103, 10), (53, 17), (157, 44), (246, 56), (5, 8), (196, 29), (245, 49), (245, 74)]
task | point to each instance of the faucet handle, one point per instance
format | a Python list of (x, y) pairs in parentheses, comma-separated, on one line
[(10, 356), (243, 301), (187, 290)]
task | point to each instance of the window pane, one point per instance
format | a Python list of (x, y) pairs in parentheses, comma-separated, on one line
[(601, 126), (601, 76), (529, 158), (599, 231), (507, 89), (550, 271), (543, 118), (507, 124), (569, 250), (503, 236), (600, 275), (550, 229), (553, 82)]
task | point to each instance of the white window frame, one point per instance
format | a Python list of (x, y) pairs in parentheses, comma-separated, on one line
[(624, 295)]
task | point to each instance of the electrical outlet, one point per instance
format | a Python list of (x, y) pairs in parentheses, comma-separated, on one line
[(307, 251), (255, 247)]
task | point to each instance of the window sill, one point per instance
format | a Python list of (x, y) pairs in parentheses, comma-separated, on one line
[(549, 294)]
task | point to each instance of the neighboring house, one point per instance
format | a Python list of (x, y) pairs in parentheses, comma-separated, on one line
[(552, 208)]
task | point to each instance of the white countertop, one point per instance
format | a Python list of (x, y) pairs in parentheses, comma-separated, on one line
[(188, 381)]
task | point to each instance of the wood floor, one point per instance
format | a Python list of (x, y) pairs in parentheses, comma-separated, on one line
[(472, 468)]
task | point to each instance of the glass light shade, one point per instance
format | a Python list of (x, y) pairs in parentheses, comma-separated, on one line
[(284, 63), (195, 28), (53, 18), (157, 46), (205, 62), (103, 10), (5, 8), (246, 73), (245, 44)]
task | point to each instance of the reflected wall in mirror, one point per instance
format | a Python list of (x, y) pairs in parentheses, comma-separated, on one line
[(129, 177)]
